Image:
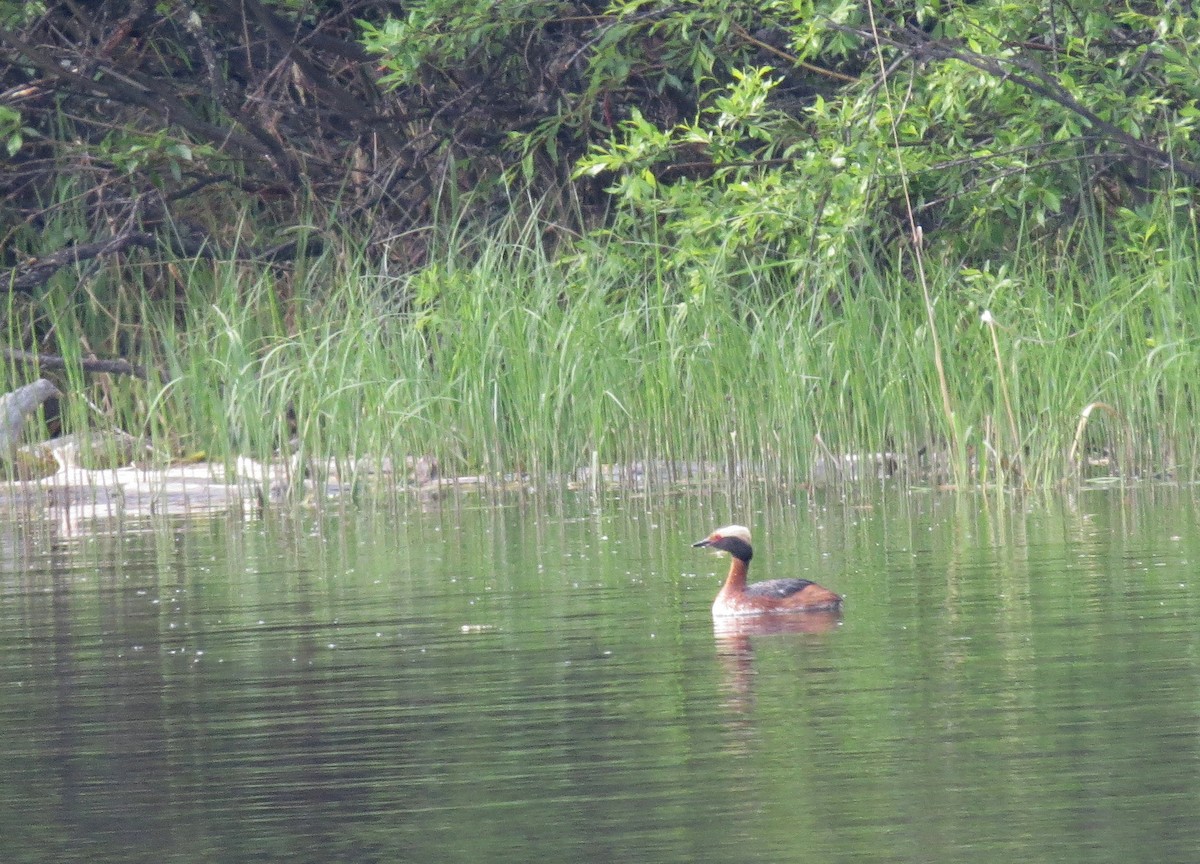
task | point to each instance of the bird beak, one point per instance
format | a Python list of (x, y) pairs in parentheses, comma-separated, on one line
[(705, 542)]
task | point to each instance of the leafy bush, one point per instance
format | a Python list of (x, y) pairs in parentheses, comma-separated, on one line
[(973, 122)]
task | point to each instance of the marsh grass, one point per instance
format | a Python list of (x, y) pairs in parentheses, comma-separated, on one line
[(499, 357)]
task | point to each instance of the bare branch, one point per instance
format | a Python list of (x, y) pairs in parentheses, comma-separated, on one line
[(54, 361)]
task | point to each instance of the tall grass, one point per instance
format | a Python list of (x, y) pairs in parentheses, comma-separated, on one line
[(499, 358)]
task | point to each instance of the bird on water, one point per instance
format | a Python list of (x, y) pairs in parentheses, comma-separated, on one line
[(774, 595)]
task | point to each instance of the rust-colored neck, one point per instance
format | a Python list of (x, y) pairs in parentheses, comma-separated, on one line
[(735, 582)]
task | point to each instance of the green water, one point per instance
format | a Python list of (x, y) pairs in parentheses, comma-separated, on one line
[(1010, 681)]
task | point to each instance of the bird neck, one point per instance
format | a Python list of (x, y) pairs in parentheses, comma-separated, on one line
[(736, 580)]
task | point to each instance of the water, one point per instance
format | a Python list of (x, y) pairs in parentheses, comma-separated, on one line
[(1009, 682)]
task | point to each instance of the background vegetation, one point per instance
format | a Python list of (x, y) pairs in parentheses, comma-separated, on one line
[(533, 236)]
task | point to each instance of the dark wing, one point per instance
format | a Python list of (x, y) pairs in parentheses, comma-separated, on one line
[(777, 587)]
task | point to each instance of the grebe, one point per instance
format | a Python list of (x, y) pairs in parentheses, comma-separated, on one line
[(774, 595)]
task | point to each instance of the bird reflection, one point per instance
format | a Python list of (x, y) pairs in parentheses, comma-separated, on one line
[(735, 649)]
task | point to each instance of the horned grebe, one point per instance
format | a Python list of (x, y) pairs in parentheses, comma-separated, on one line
[(774, 595)]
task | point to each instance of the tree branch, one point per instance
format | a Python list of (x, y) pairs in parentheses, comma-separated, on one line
[(38, 271), (1028, 75), (54, 361)]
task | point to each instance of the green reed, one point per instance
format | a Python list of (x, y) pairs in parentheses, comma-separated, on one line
[(503, 357)]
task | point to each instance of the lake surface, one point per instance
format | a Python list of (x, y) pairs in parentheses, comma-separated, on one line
[(1011, 680)]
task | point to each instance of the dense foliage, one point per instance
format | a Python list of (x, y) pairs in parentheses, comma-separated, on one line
[(789, 128), (667, 160)]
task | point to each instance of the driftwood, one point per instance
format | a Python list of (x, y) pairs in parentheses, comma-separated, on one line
[(15, 408)]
